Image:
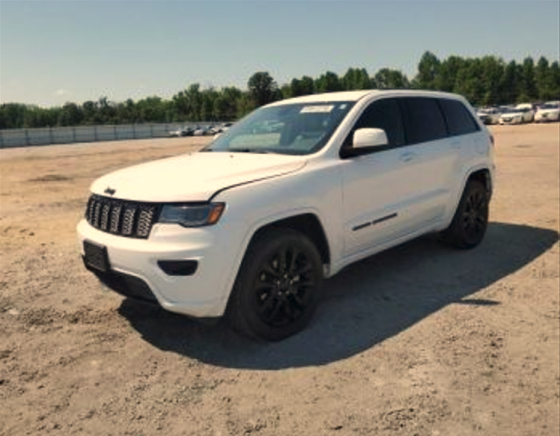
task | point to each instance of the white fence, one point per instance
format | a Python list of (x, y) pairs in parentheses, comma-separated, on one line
[(66, 135)]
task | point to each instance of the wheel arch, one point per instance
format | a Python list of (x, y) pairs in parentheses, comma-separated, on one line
[(306, 223), (483, 176)]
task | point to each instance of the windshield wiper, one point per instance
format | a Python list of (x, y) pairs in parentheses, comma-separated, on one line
[(249, 150)]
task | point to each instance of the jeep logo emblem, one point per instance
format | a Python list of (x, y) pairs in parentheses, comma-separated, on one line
[(110, 191)]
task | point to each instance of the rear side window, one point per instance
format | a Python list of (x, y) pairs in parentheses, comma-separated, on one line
[(424, 120), (384, 114), (459, 119)]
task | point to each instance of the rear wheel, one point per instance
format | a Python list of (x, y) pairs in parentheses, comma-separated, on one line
[(278, 286), (471, 218)]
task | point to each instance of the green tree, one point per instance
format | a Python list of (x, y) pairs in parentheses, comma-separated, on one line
[(492, 70), (356, 79), (387, 78), (307, 85), (70, 115), (225, 105), (509, 83), (126, 112), (91, 116), (245, 104), (428, 70), (262, 88), (468, 82), (554, 81), (286, 89), (447, 73), (328, 82), (13, 115), (527, 84), (541, 79)]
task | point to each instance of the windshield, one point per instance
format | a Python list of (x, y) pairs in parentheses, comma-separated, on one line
[(296, 129), (511, 111), (549, 106)]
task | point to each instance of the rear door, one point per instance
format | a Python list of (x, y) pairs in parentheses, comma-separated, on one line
[(433, 160)]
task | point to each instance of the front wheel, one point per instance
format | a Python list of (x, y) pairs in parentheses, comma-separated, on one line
[(278, 286), (471, 218)]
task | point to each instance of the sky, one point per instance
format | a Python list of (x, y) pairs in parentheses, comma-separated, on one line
[(57, 51)]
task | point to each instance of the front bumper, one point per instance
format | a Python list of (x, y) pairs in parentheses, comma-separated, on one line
[(546, 117), (511, 121), (134, 269)]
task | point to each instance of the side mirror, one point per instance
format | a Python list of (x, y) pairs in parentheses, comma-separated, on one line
[(365, 141), (366, 138)]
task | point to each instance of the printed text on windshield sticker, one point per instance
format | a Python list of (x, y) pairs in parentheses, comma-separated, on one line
[(317, 109)]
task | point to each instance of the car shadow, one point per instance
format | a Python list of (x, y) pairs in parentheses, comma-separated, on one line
[(363, 305)]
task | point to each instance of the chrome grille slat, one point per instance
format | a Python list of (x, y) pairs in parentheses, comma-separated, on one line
[(96, 213), (128, 220), (105, 216), (115, 218), (144, 222), (120, 217)]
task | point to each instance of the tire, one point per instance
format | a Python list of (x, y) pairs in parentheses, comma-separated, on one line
[(470, 221), (278, 286)]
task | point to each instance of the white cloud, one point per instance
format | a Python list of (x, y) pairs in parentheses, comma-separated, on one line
[(61, 92)]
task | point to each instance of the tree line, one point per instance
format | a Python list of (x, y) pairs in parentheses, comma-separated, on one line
[(484, 81)]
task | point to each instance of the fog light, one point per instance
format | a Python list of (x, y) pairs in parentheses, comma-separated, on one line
[(178, 267)]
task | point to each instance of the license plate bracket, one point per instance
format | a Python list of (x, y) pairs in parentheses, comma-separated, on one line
[(96, 257)]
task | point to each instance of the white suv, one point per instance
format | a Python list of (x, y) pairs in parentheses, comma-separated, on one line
[(249, 226)]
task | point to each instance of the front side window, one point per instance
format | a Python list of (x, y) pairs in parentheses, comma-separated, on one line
[(425, 121), (296, 129), (384, 114)]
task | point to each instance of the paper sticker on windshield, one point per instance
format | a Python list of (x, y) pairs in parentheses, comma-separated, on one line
[(317, 109)]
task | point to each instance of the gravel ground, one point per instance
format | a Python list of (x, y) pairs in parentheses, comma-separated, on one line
[(420, 340)]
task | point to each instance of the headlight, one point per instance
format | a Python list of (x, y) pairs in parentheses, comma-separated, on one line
[(192, 215)]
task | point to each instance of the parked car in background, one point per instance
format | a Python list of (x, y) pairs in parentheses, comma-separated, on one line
[(550, 111), (219, 128), (517, 115), (175, 133), (225, 127), (489, 115), (182, 131), (201, 131), (528, 112), (511, 116)]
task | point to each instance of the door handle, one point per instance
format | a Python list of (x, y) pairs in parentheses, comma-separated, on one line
[(408, 156), (456, 144)]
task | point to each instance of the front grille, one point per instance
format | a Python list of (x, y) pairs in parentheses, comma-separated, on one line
[(120, 217)]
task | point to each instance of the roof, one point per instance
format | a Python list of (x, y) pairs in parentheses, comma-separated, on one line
[(357, 95)]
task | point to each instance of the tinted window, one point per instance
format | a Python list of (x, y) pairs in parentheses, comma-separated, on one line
[(386, 115), (425, 121), (459, 120)]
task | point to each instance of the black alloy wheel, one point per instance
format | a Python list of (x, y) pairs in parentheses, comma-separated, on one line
[(283, 286), (278, 286), (468, 228), (475, 216)]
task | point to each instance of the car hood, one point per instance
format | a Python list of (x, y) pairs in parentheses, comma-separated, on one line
[(193, 177), (512, 114)]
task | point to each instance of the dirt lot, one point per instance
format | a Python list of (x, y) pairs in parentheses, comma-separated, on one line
[(421, 340)]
